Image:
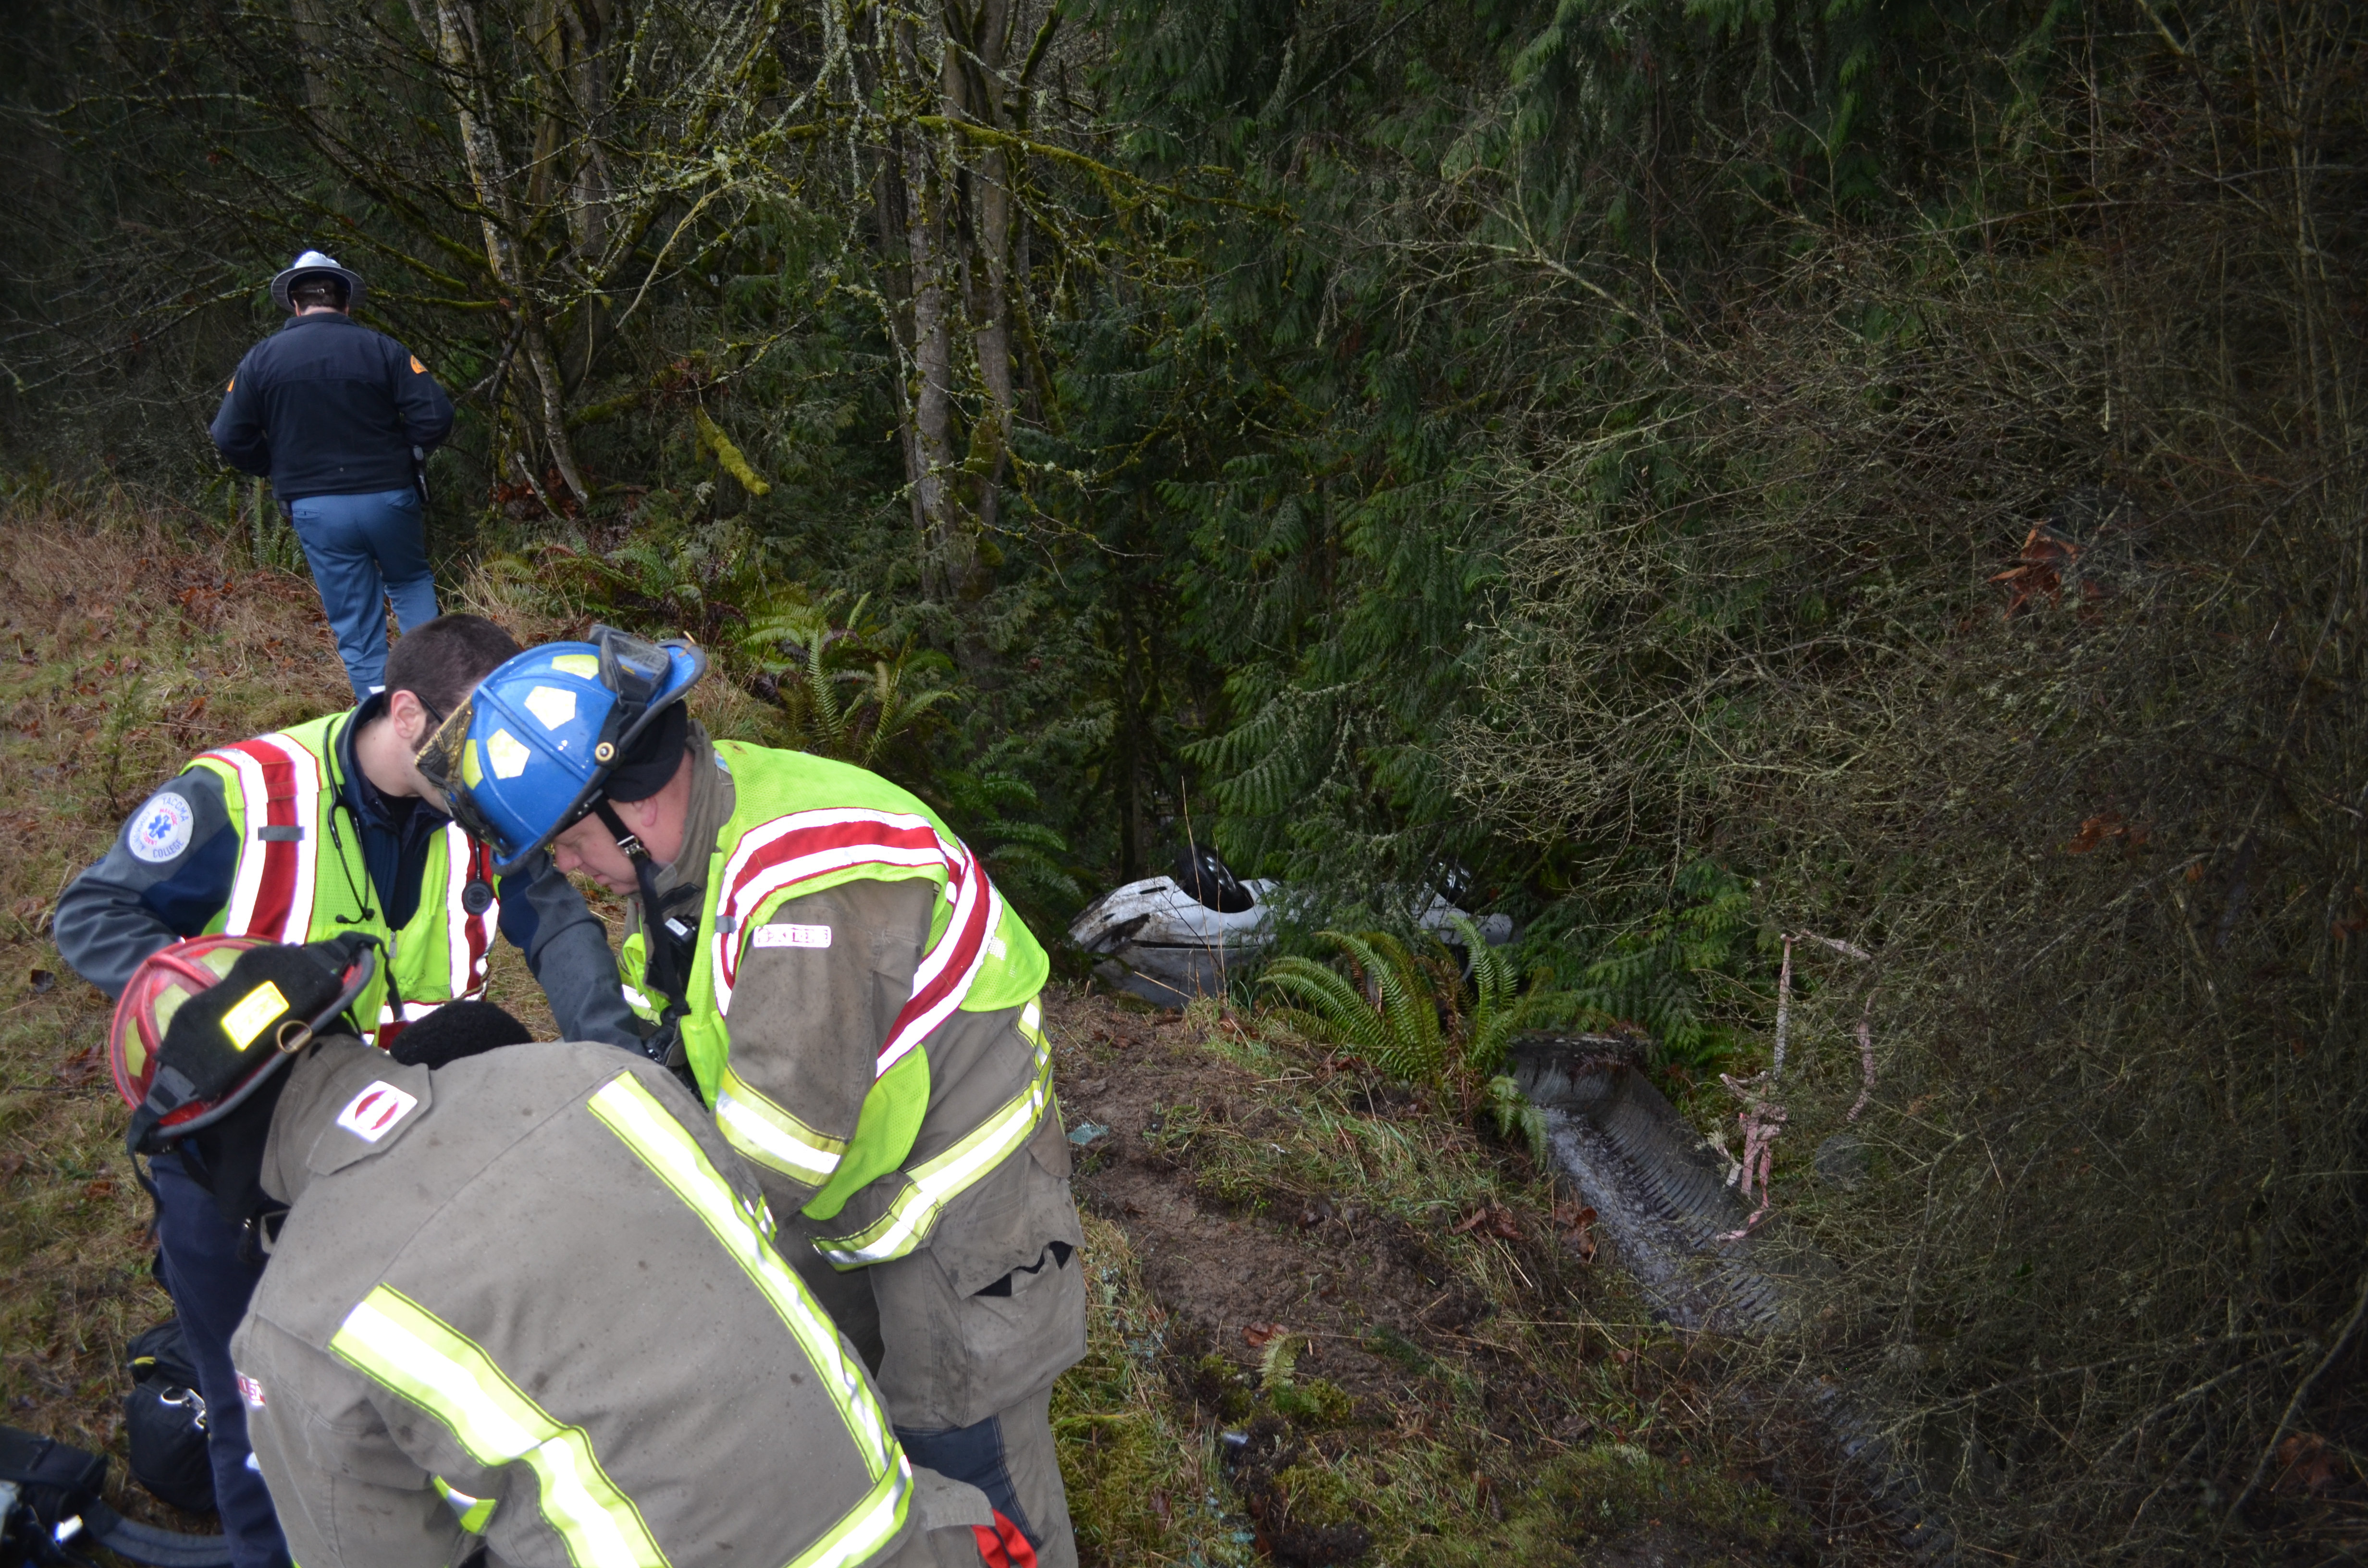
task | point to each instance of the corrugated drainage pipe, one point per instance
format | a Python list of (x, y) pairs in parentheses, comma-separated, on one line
[(1660, 1191)]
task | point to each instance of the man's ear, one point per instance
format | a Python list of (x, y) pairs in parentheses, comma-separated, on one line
[(409, 716)]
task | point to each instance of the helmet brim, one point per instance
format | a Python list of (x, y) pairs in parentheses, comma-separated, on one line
[(285, 282)]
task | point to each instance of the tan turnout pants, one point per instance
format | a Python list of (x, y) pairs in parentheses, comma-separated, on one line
[(964, 1342)]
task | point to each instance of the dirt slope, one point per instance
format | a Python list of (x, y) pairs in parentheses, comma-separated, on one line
[(1457, 1384)]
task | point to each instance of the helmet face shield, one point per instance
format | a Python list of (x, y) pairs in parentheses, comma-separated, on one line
[(447, 761)]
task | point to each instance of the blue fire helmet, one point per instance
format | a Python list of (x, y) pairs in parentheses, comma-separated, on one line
[(527, 753)]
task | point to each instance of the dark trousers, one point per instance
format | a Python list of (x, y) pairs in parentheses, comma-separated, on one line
[(209, 1286), (1008, 1455)]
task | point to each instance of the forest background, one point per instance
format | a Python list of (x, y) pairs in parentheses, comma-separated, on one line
[(1686, 477)]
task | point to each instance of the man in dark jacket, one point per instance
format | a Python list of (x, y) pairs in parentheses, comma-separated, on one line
[(338, 415)]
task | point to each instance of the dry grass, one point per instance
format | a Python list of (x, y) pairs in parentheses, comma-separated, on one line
[(126, 645)]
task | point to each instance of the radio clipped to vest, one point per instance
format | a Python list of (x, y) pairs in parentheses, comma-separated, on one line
[(668, 944)]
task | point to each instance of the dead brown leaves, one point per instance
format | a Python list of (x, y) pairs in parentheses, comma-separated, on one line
[(2308, 1462), (81, 1068), (2046, 559), (2106, 827), (1490, 1219), (1574, 1223)]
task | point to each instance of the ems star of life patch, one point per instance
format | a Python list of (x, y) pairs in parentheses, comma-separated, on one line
[(784, 935), (251, 1391), (161, 831), (374, 1110)]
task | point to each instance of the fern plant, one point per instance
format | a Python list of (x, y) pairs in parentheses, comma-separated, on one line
[(1280, 1359), (843, 696), (1659, 974), (672, 576), (1026, 859), (1412, 1016), (1517, 1120), (1391, 1019)]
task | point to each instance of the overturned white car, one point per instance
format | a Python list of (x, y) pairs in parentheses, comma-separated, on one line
[(1169, 940)]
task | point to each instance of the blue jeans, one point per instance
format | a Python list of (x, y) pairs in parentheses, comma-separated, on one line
[(366, 550), (210, 1284)]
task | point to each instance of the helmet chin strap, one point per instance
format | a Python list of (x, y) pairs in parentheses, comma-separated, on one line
[(657, 944), (646, 871)]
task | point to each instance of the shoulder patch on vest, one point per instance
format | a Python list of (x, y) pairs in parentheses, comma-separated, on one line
[(416, 367), (375, 1110), (251, 1391), (161, 831), (782, 934)]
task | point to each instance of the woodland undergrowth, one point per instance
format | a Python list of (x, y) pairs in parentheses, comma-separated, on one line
[(1701, 481), (1996, 592)]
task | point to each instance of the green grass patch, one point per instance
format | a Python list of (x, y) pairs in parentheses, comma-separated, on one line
[(1143, 1485)]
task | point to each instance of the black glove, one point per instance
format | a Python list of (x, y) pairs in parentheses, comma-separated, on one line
[(456, 1030)]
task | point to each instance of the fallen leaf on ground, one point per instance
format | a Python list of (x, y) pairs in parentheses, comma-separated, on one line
[(1575, 1220), (11, 1163), (103, 1187), (2309, 1464), (1257, 1335), (41, 981), (77, 1070), (1491, 1220), (2095, 831)]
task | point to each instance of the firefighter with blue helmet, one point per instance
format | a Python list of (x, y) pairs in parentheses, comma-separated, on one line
[(832, 969)]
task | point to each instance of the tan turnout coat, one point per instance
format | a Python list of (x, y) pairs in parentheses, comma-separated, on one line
[(528, 1297)]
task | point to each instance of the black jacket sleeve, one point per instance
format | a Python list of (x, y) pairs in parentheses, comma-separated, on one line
[(425, 411), (170, 872), (238, 429)]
